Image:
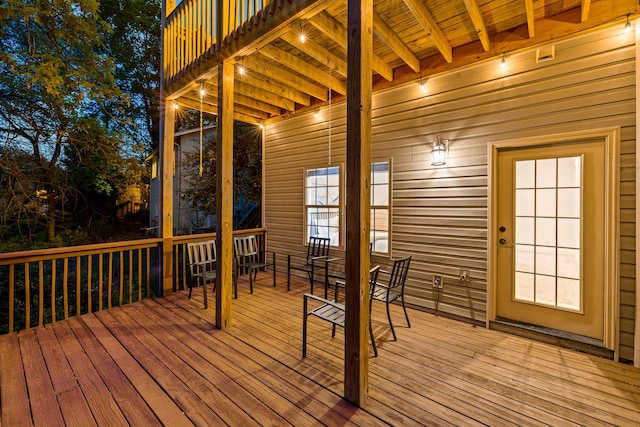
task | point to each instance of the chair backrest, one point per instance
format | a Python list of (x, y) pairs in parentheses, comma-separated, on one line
[(246, 246), (201, 253), (318, 246), (399, 272)]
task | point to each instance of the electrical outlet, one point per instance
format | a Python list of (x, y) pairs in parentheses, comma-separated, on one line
[(465, 274), (438, 282)]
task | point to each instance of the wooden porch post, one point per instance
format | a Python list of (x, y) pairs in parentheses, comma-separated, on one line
[(167, 136), (166, 217), (359, 52), (224, 195)]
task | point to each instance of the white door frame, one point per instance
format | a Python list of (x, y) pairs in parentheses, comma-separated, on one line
[(611, 137)]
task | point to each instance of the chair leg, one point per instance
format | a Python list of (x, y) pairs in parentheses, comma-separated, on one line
[(190, 288), (390, 323), (274, 270), (304, 328), (251, 281), (373, 340), (310, 274), (288, 273), (405, 312), (204, 292)]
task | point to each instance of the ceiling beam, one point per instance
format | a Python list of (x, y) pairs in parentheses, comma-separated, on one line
[(386, 33), (276, 72), (336, 32), (315, 50), (211, 105), (528, 5), (299, 66), (269, 84), (213, 110), (586, 5), (247, 101), (261, 95), (423, 16), (478, 23)]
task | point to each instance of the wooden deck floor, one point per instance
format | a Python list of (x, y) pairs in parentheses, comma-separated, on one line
[(162, 362)]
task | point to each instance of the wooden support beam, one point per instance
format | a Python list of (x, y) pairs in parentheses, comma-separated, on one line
[(586, 5), (531, 21), (299, 66), (386, 33), (211, 107), (356, 363), (336, 32), (271, 85), (281, 74), (315, 50), (166, 204), (478, 22), (423, 16), (224, 195), (268, 97)]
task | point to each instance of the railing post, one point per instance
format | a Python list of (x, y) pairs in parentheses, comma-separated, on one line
[(167, 114)]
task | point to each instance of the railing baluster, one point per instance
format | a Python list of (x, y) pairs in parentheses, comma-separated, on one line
[(121, 278), (148, 251), (110, 280), (78, 289), (65, 288), (139, 252), (130, 276), (12, 283), (27, 297), (53, 289), (100, 278), (89, 293), (40, 293)]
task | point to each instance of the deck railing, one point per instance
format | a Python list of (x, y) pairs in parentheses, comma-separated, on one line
[(43, 286), (192, 28)]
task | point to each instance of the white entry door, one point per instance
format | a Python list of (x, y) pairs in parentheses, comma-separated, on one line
[(551, 254)]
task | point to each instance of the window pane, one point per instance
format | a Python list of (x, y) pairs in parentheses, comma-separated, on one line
[(569, 202), (569, 263), (525, 261), (569, 232), (546, 260), (524, 286), (546, 203), (525, 231), (546, 231), (569, 293), (569, 172), (546, 173), (525, 199), (525, 174), (545, 289)]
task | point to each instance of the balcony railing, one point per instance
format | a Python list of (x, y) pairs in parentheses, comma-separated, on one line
[(43, 286), (192, 28)]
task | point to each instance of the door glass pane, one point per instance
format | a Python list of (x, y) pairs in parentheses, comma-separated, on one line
[(525, 200), (548, 205), (526, 174), (546, 173), (569, 202)]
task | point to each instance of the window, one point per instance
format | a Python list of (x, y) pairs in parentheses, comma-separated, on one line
[(380, 207), (322, 203), (154, 168)]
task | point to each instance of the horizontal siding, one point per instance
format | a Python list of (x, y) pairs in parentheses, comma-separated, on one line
[(440, 214)]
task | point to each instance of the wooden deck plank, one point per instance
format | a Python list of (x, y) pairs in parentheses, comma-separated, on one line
[(13, 388), (146, 363), (104, 408), (130, 402), (73, 404), (194, 408), (407, 378), (165, 408), (39, 384), (314, 400), (200, 373)]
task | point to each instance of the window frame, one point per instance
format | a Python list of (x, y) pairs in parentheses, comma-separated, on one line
[(388, 206), (339, 206)]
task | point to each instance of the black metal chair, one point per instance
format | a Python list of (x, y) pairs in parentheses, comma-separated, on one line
[(316, 253), (334, 312), (337, 274), (250, 258), (393, 288), (202, 265)]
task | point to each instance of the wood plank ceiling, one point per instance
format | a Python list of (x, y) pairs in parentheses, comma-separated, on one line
[(296, 67)]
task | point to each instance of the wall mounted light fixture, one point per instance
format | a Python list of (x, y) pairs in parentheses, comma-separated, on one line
[(439, 152)]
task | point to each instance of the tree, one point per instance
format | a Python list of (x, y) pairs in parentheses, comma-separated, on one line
[(58, 96), (247, 172)]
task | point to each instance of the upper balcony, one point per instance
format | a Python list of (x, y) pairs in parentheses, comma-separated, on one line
[(291, 55)]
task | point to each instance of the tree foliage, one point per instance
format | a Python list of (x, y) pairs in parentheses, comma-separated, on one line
[(61, 109), (247, 171)]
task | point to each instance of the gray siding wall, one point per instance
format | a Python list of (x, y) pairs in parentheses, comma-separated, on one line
[(439, 214)]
